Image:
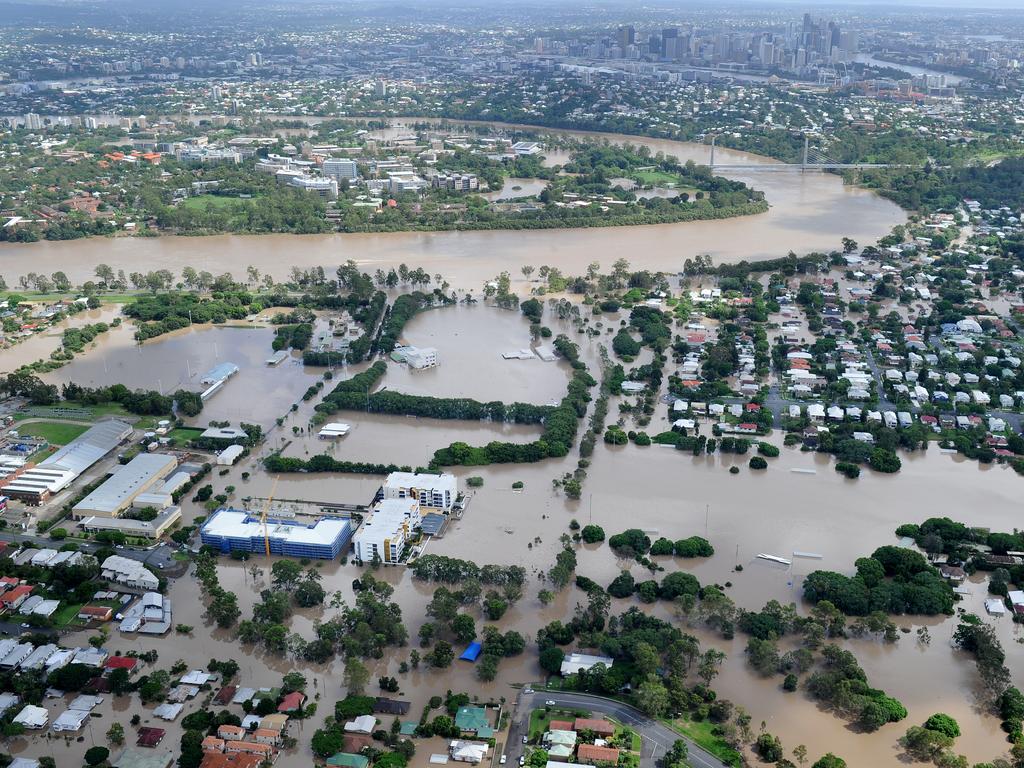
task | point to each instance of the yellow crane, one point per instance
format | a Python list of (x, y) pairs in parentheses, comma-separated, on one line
[(263, 517)]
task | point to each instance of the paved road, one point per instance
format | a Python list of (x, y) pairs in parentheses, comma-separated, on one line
[(656, 738)]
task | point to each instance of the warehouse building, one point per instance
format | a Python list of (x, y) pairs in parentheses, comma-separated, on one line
[(384, 533), (233, 529), (130, 481), (35, 484)]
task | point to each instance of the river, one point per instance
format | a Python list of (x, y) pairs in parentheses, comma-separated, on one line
[(809, 212)]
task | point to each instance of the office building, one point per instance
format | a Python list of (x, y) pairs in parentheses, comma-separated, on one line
[(626, 37), (383, 535), (33, 121), (233, 529), (339, 168), (117, 494), (434, 492)]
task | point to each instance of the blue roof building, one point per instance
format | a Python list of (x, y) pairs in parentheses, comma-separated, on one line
[(236, 530)]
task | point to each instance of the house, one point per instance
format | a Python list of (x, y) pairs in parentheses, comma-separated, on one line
[(292, 702), (266, 736), (150, 737), (230, 733), (32, 718), (597, 725), (276, 722), (576, 662), (386, 706), (473, 720), (953, 573), (593, 754), (348, 760), (72, 720), (467, 751), (361, 724), (1016, 598), (121, 662), (13, 598), (99, 613)]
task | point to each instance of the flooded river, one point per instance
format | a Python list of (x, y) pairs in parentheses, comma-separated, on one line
[(809, 212)]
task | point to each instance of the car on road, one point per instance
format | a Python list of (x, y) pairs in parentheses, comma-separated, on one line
[(525, 739), (522, 760), (550, 702), (504, 759)]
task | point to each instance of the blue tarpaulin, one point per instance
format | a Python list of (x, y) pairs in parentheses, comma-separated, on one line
[(471, 653)]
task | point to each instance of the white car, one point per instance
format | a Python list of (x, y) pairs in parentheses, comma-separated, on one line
[(550, 702), (525, 739), (522, 760), (504, 759)]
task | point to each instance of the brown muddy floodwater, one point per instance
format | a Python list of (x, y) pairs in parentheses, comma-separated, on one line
[(809, 212), (40, 345), (258, 393), (658, 489)]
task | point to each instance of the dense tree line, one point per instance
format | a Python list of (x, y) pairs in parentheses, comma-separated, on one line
[(894, 580), (162, 313), (401, 312), (560, 425), (321, 462), (360, 384), (451, 570), (426, 406)]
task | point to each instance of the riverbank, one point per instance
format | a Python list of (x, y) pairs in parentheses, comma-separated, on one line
[(808, 213)]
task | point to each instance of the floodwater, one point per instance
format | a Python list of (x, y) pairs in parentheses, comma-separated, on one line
[(661, 490), (513, 188), (809, 212), (40, 345), (258, 393)]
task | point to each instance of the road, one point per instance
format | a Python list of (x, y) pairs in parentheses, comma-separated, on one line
[(656, 738)]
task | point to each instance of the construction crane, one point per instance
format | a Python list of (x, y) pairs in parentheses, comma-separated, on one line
[(263, 517)]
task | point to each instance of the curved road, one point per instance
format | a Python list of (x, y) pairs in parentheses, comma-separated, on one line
[(656, 738)]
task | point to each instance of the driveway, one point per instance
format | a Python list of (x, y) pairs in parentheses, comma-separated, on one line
[(656, 738)]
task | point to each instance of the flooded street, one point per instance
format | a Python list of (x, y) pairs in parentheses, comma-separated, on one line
[(809, 212)]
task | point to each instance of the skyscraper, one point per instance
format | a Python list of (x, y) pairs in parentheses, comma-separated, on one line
[(670, 43), (626, 37)]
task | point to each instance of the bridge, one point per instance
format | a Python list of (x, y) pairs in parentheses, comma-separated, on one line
[(813, 160)]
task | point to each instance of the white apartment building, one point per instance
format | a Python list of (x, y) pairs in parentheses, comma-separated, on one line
[(384, 533), (327, 188), (433, 492)]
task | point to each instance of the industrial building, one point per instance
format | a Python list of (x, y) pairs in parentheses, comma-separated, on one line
[(436, 492), (127, 484), (215, 378), (233, 529), (35, 484), (385, 531)]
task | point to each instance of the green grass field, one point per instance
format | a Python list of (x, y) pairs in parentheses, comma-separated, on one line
[(210, 201), (56, 432), (66, 614), (701, 733), (657, 178), (182, 435)]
